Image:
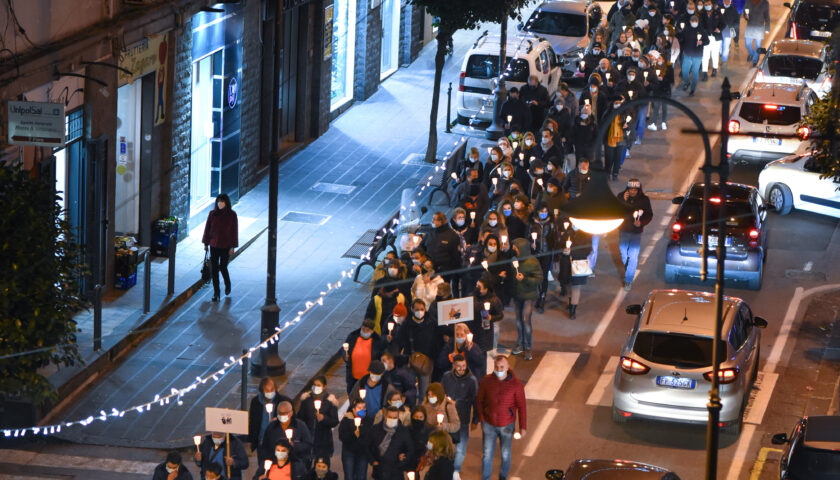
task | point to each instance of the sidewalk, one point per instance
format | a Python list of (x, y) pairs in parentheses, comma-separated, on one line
[(346, 182)]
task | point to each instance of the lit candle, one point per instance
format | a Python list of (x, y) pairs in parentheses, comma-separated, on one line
[(469, 337), (539, 181), (485, 264), (454, 176), (269, 407), (472, 259), (390, 327), (534, 236), (346, 346), (722, 10), (628, 118), (682, 25), (533, 158), (582, 64), (699, 36), (657, 72), (514, 145), (440, 418), (289, 433), (517, 436), (487, 306), (357, 421), (619, 67), (509, 118), (747, 11), (623, 28), (556, 212), (586, 101), (317, 405), (495, 180), (516, 265), (672, 4), (489, 150), (197, 440), (472, 215), (565, 225), (362, 393), (521, 156), (569, 243), (630, 92), (608, 78), (504, 239), (410, 475), (267, 465), (645, 74), (580, 54)]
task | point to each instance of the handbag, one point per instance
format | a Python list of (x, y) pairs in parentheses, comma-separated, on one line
[(580, 268), (206, 271), (421, 364)]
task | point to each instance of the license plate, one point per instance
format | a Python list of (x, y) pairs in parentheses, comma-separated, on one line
[(713, 240), (488, 102), (769, 141), (820, 33), (675, 382)]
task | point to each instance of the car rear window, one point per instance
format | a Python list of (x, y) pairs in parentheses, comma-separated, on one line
[(774, 114), (815, 464), (556, 23), (816, 15), (690, 351), (487, 66), (794, 66), (739, 214)]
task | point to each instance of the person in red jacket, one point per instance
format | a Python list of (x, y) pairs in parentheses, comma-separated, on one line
[(221, 236), (501, 397)]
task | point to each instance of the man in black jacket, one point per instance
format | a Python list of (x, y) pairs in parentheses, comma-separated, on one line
[(172, 469), (390, 447), (258, 415), (442, 246), (301, 440), (595, 97), (577, 179), (731, 21), (519, 113), (536, 97), (692, 40), (215, 450), (639, 214), (461, 386)]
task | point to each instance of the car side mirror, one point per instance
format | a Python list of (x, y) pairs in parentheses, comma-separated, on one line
[(635, 309), (759, 322), (677, 200), (555, 474), (787, 4), (735, 95), (762, 51), (779, 439)]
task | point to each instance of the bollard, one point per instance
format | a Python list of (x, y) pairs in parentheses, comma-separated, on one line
[(449, 108), (243, 394), (97, 317), (170, 287), (147, 282)]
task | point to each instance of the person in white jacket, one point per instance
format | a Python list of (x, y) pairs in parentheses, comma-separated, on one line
[(425, 285)]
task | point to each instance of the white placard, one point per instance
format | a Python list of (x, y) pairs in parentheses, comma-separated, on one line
[(36, 123), (455, 311), (226, 420)]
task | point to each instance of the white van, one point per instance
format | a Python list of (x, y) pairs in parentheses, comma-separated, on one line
[(526, 55)]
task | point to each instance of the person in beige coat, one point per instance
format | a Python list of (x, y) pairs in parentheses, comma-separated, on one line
[(436, 402)]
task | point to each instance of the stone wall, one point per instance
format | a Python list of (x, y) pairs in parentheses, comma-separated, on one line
[(368, 47), (181, 111), (251, 95)]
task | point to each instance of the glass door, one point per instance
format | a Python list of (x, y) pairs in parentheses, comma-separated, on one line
[(344, 47), (390, 37), (206, 130)]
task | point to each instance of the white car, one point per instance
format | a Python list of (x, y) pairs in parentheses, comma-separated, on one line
[(795, 61), (527, 55), (564, 23), (794, 182)]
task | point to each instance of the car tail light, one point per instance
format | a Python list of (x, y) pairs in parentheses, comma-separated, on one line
[(715, 200), (625, 414), (461, 81), (725, 375), (754, 237), (770, 106), (633, 367), (734, 126), (803, 132), (793, 33), (676, 228)]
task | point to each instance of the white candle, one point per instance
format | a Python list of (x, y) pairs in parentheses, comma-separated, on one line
[(197, 440), (472, 259), (682, 25), (565, 225), (489, 150), (269, 407), (504, 239), (619, 67), (556, 212), (289, 433), (362, 393), (747, 11), (267, 465), (439, 418), (472, 215), (390, 327), (469, 337), (346, 346), (608, 77), (628, 118), (485, 264), (645, 73), (495, 180), (514, 145), (623, 28), (516, 264), (521, 156), (454, 176), (722, 10), (517, 436), (586, 101), (699, 36), (357, 421), (534, 236), (582, 64), (509, 118), (317, 405), (410, 475), (630, 92), (657, 72), (569, 243), (539, 180)]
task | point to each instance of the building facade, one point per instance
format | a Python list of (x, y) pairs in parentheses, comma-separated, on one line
[(166, 105)]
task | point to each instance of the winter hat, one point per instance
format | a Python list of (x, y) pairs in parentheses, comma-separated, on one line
[(634, 183), (597, 45), (400, 310), (377, 367), (595, 79)]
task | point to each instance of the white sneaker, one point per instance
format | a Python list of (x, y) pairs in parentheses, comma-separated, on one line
[(456, 476), (664, 126), (652, 127)]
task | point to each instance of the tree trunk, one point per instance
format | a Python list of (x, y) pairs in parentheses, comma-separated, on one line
[(440, 58)]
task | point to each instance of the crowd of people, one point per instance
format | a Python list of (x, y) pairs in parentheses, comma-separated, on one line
[(417, 386)]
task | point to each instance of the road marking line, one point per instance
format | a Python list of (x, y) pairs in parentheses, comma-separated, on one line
[(764, 385), (343, 409), (784, 332), (758, 466), (740, 456), (607, 318), (602, 393), (536, 438), (550, 374), (24, 457)]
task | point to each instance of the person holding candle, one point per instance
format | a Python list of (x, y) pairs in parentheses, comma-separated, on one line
[(440, 410), (472, 195), (440, 456), (584, 135), (488, 312), (526, 280), (390, 447), (757, 13), (618, 136), (692, 40), (712, 22), (401, 377), (172, 468), (514, 226), (492, 165), (594, 98), (373, 389), (319, 412), (467, 231), (353, 432), (662, 84), (443, 246), (321, 470), (462, 387), (462, 343), (579, 247), (543, 243), (286, 465), (259, 416), (731, 20), (499, 402), (215, 450), (549, 152), (389, 290), (363, 346), (518, 112), (494, 224), (639, 213), (279, 429), (426, 284), (535, 96)]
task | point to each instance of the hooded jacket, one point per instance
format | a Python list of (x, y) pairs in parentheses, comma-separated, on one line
[(632, 204), (529, 267)]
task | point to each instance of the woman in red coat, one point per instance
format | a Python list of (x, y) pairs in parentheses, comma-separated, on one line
[(221, 236)]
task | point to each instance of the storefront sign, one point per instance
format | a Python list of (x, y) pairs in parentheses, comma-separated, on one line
[(144, 57), (328, 32), (36, 123), (232, 92)]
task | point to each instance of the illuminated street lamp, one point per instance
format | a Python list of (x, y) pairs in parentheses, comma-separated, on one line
[(596, 210)]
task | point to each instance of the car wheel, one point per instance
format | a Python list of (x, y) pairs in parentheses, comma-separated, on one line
[(670, 274), (462, 119), (781, 198), (754, 283), (734, 428), (617, 417)]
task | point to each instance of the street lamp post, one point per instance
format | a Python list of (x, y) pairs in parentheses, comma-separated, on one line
[(496, 129)]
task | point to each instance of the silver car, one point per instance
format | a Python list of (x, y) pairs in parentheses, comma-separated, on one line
[(665, 368), (794, 61)]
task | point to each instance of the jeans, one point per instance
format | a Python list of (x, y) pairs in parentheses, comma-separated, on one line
[(753, 44), (524, 310), (593, 255), (461, 448), (545, 262), (491, 433), (219, 258), (612, 159), (628, 247), (355, 466), (642, 123), (711, 51), (691, 67), (724, 49), (659, 113)]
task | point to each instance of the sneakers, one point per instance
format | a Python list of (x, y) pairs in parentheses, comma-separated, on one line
[(517, 350), (528, 355), (714, 72), (215, 298), (637, 142), (664, 126), (652, 127), (456, 476), (627, 286)]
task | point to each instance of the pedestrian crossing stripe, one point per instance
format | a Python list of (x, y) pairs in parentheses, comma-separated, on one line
[(550, 374)]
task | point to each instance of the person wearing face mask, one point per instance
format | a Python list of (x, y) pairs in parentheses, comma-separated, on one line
[(526, 280), (577, 179), (539, 178), (515, 108), (560, 115), (322, 420), (543, 246), (552, 197), (548, 152), (492, 166), (214, 450), (471, 160), (663, 82), (321, 470), (439, 458), (436, 402), (287, 465), (569, 99), (581, 250), (503, 185), (618, 137), (584, 136), (442, 246), (527, 148), (514, 226), (712, 22), (500, 401), (758, 25), (507, 149), (172, 468), (397, 400), (472, 195), (221, 237), (420, 432), (376, 389), (354, 441), (594, 98), (258, 416), (426, 284), (494, 224), (420, 341), (591, 60), (363, 346), (535, 95), (401, 377), (684, 17), (622, 17), (460, 344), (731, 23), (301, 441), (389, 290), (484, 326), (655, 20), (639, 214), (692, 40), (390, 448), (462, 387)]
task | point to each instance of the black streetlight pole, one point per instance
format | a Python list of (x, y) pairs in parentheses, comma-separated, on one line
[(496, 129)]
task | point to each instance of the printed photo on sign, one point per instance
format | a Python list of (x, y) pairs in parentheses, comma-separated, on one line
[(226, 420), (455, 311)]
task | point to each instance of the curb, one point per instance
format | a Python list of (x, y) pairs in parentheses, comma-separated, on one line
[(112, 357)]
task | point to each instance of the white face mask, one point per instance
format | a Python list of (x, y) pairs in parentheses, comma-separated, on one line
[(529, 142), (392, 422), (317, 390), (500, 375), (708, 8), (491, 249), (375, 378), (616, 106), (397, 403), (269, 395), (429, 446), (218, 440), (584, 171), (584, 116), (492, 223), (506, 173), (631, 77), (365, 335), (694, 25), (393, 272), (494, 157), (281, 455), (420, 313), (432, 400), (593, 89), (171, 470), (283, 418)]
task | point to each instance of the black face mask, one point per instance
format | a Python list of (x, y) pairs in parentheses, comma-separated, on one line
[(417, 424)]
